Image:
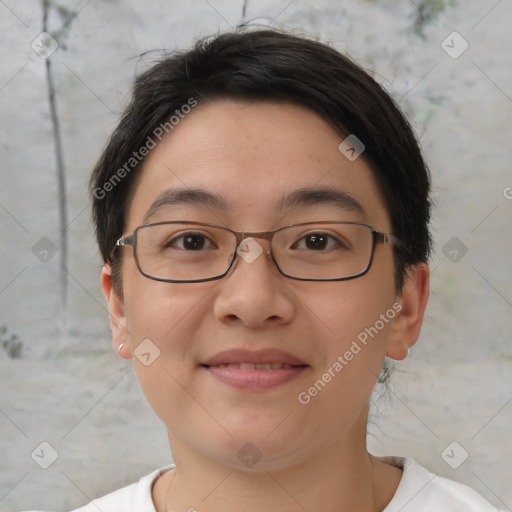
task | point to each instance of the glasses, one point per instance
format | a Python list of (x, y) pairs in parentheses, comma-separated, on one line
[(191, 252)]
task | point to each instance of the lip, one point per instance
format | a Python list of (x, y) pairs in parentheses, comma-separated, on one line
[(238, 356), (254, 378)]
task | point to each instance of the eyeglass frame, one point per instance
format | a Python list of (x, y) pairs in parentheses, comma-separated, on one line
[(240, 236)]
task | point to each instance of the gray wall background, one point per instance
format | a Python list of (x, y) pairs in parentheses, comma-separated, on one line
[(66, 387)]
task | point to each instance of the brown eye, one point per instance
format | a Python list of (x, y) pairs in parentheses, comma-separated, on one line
[(316, 241), (193, 242), (320, 242), (189, 242)]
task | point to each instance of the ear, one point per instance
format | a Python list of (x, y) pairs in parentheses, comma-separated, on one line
[(407, 323), (118, 324)]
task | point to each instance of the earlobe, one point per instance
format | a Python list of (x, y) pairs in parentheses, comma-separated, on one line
[(117, 318), (413, 300)]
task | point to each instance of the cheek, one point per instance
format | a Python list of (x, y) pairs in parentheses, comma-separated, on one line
[(353, 321), (337, 394), (345, 310), (156, 310), (162, 319)]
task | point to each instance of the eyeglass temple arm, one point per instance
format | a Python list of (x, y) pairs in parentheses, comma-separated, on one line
[(387, 238), (126, 240)]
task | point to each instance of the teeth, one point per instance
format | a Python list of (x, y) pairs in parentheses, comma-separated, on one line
[(279, 366), (253, 366)]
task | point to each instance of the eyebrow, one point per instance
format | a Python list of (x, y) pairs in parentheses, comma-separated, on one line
[(322, 196), (303, 197), (172, 197)]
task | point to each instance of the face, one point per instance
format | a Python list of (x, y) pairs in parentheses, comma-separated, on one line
[(253, 156)]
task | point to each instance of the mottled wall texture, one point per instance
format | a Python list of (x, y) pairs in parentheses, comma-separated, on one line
[(447, 63)]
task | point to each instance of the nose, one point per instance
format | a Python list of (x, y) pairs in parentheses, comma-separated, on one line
[(254, 293)]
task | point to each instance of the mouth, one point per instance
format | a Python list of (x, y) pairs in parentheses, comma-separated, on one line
[(253, 366), (256, 370)]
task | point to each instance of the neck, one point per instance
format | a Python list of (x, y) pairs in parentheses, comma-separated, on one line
[(332, 481)]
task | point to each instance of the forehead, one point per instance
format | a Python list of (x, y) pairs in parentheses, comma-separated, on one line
[(252, 156)]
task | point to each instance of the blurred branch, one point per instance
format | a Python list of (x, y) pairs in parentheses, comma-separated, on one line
[(61, 177), (427, 12)]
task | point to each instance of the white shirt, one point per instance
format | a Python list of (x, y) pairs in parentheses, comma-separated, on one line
[(418, 491)]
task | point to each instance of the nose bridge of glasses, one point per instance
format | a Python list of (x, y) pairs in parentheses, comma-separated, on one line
[(257, 235), (255, 246)]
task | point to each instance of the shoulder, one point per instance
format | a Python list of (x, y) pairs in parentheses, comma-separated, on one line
[(135, 497), (132, 498), (422, 491)]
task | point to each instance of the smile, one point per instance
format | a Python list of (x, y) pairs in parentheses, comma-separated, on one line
[(253, 366), (254, 370)]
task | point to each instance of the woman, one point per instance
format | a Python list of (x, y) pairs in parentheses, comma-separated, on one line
[(262, 211)]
